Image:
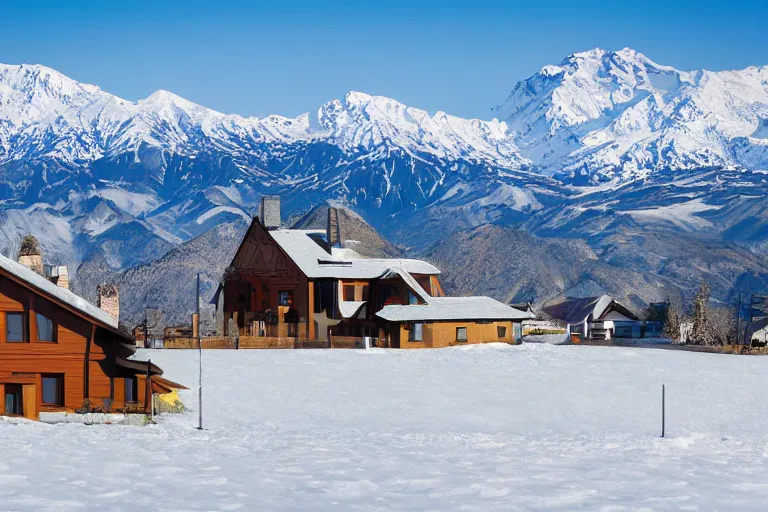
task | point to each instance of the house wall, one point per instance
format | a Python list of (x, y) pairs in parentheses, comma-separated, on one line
[(24, 363), (443, 334)]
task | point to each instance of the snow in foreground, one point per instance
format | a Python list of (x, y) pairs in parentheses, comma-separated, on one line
[(474, 428)]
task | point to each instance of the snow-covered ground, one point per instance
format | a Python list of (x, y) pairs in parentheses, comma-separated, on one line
[(491, 427)]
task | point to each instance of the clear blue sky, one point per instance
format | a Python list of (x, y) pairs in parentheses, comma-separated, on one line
[(257, 58)]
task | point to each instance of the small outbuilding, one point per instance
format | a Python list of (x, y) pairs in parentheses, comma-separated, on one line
[(595, 317)]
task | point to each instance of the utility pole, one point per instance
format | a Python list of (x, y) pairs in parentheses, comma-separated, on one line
[(738, 321), (196, 334)]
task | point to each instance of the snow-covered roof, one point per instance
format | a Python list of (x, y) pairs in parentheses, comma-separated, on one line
[(453, 308), (578, 310), (349, 308), (61, 294), (315, 262)]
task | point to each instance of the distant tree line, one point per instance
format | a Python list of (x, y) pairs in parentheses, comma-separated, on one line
[(703, 324)]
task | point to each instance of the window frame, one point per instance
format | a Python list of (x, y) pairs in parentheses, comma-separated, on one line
[(465, 338), (24, 327), (289, 294), (59, 378), (501, 331), (54, 328), (134, 384), (412, 332)]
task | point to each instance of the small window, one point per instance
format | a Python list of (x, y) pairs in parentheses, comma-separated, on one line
[(45, 328), (365, 292), (53, 389), (131, 389), (416, 332), (412, 298), (501, 331), (14, 328), (461, 334), (285, 298), (349, 292)]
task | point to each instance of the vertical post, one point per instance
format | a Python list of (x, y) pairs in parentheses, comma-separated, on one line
[(149, 391), (738, 322), (663, 410), (200, 357)]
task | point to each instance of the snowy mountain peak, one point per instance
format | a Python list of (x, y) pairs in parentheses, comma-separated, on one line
[(604, 115)]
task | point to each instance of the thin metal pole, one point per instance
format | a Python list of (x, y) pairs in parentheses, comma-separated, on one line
[(663, 410), (200, 358)]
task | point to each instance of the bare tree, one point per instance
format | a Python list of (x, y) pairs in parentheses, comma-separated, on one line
[(722, 325)]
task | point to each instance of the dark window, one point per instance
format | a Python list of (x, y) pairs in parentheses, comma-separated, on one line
[(131, 389), (45, 328), (349, 292), (112, 388), (501, 331), (365, 292), (416, 332), (386, 292), (53, 389), (285, 298), (461, 334), (14, 399), (14, 330)]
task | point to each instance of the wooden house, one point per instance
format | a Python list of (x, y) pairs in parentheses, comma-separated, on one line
[(291, 284), (61, 354)]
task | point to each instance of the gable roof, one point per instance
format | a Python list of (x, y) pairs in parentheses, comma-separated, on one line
[(453, 308), (575, 310), (316, 263), (60, 295)]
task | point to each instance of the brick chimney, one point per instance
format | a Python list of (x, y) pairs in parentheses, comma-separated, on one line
[(333, 228), (30, 254), (60, 276), (108, 299), (270, 212)]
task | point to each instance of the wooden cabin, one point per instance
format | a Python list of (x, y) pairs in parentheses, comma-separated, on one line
[(305, 286), (59, 353)]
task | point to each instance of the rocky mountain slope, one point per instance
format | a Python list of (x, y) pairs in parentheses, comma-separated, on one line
[(640, 161)]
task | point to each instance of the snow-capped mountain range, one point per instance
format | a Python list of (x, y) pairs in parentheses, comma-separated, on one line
[(602, 141)]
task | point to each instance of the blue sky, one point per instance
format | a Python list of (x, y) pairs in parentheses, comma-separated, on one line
[(257, 58)]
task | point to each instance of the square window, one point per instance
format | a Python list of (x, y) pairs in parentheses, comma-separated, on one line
[(461, 334), (53, 389), (285, 298), (14, 328), (416, 332), (349, 292), (45, 328), (501, 331)]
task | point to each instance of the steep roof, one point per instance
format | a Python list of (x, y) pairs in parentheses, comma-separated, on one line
[(58, 294), (453, 308), (575, 310), (315, 262)]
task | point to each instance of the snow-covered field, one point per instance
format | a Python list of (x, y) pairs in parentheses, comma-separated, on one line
[(491, 427)]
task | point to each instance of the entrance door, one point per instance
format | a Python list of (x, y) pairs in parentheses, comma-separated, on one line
[(14, 399), (518, 332)]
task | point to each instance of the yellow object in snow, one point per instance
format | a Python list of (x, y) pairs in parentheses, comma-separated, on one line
[(170, 398)]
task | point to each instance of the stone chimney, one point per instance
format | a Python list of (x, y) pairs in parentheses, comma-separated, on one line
[(60, 276), (108, 300), (333, 228), (30, 254), (270, 212)]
